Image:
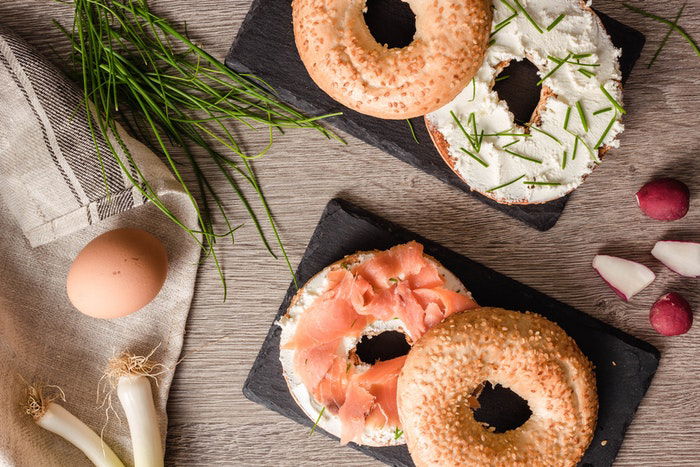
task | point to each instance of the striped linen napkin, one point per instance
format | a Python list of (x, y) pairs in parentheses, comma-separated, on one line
[(53, 201)]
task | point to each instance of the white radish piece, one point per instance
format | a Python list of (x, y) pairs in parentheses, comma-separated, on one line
[(131, 376), (625, 277), (53, 417), (680, 257)]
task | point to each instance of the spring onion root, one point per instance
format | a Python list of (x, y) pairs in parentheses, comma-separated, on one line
[(53, 417), (131, 376)]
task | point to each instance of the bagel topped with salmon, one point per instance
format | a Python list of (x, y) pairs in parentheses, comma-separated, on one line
[(363, 295)]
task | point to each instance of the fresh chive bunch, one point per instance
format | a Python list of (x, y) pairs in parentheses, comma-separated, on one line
[(138, 70)]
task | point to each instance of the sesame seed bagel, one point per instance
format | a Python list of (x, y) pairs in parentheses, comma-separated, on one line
[(345, 61), (524, 352)]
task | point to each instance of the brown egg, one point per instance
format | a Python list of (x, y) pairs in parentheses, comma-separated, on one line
[(117, 273)]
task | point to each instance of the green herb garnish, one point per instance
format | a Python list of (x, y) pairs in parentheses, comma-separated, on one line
[(581, 56), (612, 100), (501, 78), (398, 433), (137, 69), (542, 183), (567, 117), (560, 63), (393, 280), (318, 420), (605, 133), (563, 160), (602, 111), (586, 73), (491, 42), (671, 24), (529, 18), (505, 184), (573, 155), (510, 7), (413, 132), (532, 127), (665, 39), (475, 157), (527, 158), (554, 23), (510, 144), (473, 90), (582, 116)]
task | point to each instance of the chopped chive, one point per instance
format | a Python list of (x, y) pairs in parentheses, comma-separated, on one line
[(413, 133), (459, 124), (563, 160), (668, 34), (580, 56), (605, 133), (555, 69), (555, 22), (318, 420), (475, 157), (510, 144), (585, 64), (673, 26), (473, 90), (398, 433), (491, 42), (505, 184), (529, 18), (602, 111), (510, 7), (501, 78), (568, 116), (582, 115), (542, 183), (586, 73), (532, 127), (612, 100), (503, 24), (527, 158), (573, 156)]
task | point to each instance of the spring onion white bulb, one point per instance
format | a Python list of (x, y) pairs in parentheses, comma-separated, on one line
[(53, 417), (131, 376)]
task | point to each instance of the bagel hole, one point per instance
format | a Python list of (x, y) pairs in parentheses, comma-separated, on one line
[(500, 408), (390, 22), (517, 86), (382, 347)]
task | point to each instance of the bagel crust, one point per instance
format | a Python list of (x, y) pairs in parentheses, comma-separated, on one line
[(525, 352), (345, 61)]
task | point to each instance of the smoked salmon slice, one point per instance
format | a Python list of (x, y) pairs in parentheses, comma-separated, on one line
[(398, 283)]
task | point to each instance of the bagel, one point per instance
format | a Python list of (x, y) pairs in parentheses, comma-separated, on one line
[(525, 352), (557, 149), (298, 366), (347, 63)]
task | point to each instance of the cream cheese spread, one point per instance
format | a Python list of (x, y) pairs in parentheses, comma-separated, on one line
[(581, 80)]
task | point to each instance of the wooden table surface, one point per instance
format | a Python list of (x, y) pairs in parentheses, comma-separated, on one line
[(210, 420)]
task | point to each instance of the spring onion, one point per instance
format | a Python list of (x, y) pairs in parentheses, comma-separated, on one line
[(55, 418)]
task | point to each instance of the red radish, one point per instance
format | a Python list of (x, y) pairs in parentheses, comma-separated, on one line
[(626, 277), (680, 257), (671, 315), (664, 199)]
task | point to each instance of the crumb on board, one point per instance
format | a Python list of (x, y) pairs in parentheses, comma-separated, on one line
[(604, 442), (613, 363)]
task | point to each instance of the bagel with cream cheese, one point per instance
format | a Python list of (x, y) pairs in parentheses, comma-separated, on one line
[(525, 352), (364, 294), (345, 61), (577, 120)]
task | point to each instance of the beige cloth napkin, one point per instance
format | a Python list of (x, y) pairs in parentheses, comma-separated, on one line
[(52, 203)]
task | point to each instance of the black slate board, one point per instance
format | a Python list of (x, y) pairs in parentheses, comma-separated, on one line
[(265, 47), (345, 229)]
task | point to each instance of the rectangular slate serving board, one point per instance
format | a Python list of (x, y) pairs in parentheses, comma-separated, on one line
[(345, 229), (265, 47)]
